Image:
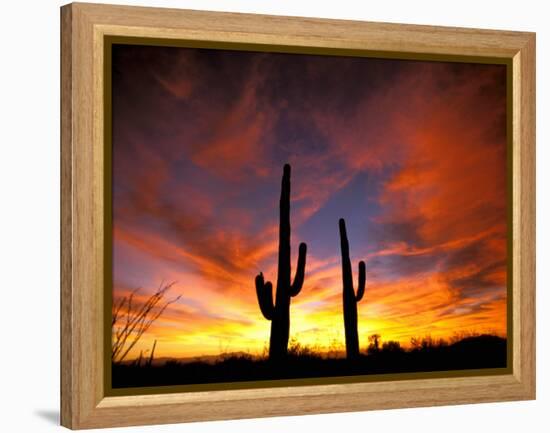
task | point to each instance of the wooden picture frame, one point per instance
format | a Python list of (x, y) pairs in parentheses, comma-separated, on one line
[(84, 28)]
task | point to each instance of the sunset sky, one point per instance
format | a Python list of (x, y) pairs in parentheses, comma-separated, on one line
[(411, 153)]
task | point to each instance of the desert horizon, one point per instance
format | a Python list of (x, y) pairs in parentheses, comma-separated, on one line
[(338, 352)]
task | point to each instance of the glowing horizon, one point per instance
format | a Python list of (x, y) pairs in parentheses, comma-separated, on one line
[(411, 153)]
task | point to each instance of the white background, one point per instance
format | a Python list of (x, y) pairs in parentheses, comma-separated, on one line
[(29, 237)]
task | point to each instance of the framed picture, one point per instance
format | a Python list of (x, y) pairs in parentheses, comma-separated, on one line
[(267, 215)]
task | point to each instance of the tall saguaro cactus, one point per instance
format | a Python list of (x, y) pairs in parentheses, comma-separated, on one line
[(350, 298), (279, 312)]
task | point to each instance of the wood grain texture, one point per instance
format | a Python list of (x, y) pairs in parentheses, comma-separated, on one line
[(524, 215), (67, 388), (83, 401)]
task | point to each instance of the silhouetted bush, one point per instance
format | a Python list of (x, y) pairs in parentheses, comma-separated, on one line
[(374, 344), (392, 347)]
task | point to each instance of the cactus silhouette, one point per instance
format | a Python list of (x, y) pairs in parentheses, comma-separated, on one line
[(350, 299), (279, 312)]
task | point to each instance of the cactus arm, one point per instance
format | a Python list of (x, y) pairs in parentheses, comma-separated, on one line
[(264, 292), (362, 281), (300, 270)]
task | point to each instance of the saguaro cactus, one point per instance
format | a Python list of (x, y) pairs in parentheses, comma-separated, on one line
[(350, 298), (279, 313)]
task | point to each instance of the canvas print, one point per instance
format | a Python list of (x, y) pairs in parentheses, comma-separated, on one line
[(281, 216)]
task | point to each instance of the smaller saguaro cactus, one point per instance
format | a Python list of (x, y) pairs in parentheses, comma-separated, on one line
[(350, 298)]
